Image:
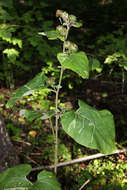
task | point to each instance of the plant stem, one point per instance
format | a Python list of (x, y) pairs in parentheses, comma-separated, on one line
[(57, 122), (57, 111), (123, 80)]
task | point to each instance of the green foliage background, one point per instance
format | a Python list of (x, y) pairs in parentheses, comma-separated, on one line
[(24, 51)]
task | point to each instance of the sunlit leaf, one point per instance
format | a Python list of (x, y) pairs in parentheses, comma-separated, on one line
[(76, 62), (16, 41), (11, 53)]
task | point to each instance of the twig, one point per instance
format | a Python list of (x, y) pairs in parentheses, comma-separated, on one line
[(35, 154), (31, 160), (78, 160), (21, 141), (84, 184)]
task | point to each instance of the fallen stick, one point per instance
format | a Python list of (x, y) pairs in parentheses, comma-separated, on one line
[(84, 184), (78, 160)]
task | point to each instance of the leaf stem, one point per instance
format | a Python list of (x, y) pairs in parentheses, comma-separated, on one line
[(51, 125)]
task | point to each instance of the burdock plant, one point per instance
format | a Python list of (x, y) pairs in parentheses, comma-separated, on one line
[(87, 126)]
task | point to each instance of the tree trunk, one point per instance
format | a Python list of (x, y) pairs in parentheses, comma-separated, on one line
[(8, 157)]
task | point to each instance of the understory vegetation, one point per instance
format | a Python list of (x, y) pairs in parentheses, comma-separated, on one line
[(63, 93)]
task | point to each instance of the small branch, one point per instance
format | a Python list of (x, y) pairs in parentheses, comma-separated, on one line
[(21, 141), (31, 160), (84, 184), (78, 160), (35, 154)]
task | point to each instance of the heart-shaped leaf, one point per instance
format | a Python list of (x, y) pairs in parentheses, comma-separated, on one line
[(35, 84), (46, 181), (90, 127), (15, 178), (76, 62)]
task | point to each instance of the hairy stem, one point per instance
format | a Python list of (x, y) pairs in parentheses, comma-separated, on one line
[(57, 111), (56, 121)]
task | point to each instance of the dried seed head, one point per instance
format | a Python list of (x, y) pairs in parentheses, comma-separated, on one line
[(59, 13), (65, 16), (59, 28), (72, 18), (74, 47), (67, 44), (50, 80), (62, 30), (68, 105), (71, 47)]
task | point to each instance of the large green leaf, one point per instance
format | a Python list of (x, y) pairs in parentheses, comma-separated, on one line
[(76, 62), (35, 114), (15, 178), (35, 84), (90, 127), (46, 181)]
